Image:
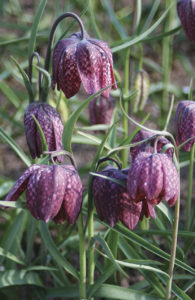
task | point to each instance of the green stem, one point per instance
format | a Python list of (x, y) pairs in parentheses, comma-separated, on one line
[(91, 263), (174, 243), (92, 19), (125, 104), (166, 58), (82, 253), (190, 185), (112, 242)]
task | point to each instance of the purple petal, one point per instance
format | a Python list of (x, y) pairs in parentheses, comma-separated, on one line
[(73, 194), (89, 62), (45, 192), (21, 184), (130, 211)]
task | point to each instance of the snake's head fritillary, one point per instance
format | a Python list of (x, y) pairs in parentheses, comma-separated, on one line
[(186, 12), (51, 124), (87, 61), (185, 123)]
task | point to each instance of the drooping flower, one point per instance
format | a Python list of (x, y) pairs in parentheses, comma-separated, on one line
[(186, 12), (185, 123), (52, 192), (101, 110), (149, 146), (87, 61), (51, 124), (152, 178), (112, 201)]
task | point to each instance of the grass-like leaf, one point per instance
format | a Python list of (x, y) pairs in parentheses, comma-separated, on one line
[(55, 254), (15, 147), (70, 124), (142, 36), (26, 80), (10, 256), (32, 40), (19, 277)]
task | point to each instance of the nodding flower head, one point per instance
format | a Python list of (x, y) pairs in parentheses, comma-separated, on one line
[(186, 12), (87, 61), (51, 124), (152, 178), (112, 201), (52, 192), (149, 145), (185, 124), (101, 110)]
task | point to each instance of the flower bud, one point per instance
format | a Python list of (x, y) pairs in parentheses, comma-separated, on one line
[(185, 124), (142, 88), (186, 13), (87, 60), (51, 124), (101, 110)]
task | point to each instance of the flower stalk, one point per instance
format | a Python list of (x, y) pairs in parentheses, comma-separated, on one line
[(82, 254), (190, 185)]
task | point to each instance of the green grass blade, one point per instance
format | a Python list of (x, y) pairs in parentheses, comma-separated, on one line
[(9, 93), (32, 40), (101, 279), (55, 254), (19, 277), (109, 291), (26, 80), (141, 36), (70, 124), (15, 147), (10, 256)]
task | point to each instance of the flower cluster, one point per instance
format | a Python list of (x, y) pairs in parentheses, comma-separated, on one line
[(151, 178)]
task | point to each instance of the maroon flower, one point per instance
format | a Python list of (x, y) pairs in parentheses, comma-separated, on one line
[(185, 123), (52, 192), (112, 201), (152, 178), (149, 146), (186, 12), (86, 60), (101, 110), (51, 124)]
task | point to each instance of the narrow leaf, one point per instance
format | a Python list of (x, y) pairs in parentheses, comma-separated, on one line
[(32, 40), (15, 147), (55, 254)]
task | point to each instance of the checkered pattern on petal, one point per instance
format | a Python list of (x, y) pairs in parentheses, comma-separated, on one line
[(21, 184)]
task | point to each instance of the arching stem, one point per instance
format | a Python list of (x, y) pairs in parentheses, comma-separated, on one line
[(48, 53), (35, 54)]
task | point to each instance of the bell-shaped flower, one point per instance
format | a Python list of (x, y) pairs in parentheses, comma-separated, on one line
[(52, 192), (186, 12), (149, 145), (152, 178), (112, 201), (87, 61), (101, 110), (185, 124), (51, 124)]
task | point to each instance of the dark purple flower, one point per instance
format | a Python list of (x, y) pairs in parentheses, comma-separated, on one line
[(51, 124), (186, 12), (185, 123), (152, 178), (101, 110), (52, 192), (149, 146), (112, 201), (87, 60)]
